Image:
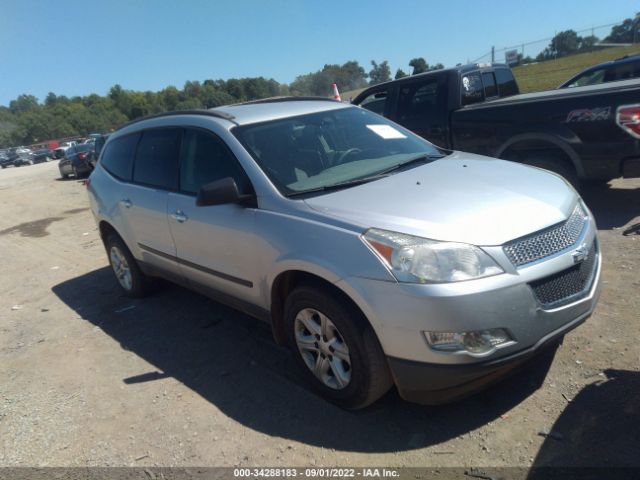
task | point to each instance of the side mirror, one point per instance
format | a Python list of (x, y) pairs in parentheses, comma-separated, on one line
[(220, 192)]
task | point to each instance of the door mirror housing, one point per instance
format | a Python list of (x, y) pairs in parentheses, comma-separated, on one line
[(220, 192)]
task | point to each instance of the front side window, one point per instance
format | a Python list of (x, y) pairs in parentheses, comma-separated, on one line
[(591, 78), (418, 100), (156, 163), (472, 90), (330, 149), (376, 102), (205, 159), (117, 157)]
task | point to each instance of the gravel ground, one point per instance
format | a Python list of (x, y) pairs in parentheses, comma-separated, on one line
[(89, 377)]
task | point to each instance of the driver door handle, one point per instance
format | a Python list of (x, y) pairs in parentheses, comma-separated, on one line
[(179, 216), (126, 202)]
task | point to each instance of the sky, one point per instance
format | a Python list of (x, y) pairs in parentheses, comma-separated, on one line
[(78, 47)]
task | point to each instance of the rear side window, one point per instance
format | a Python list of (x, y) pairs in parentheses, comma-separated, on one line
[(472, 91), (117, 158), (490, 88), (156, 163), (506, 83), (205, 159), (376, 102)]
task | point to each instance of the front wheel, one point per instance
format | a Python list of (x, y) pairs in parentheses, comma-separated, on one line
[(133, 282), (336, 348)]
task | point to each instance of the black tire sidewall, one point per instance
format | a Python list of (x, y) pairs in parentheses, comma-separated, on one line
[(351, 328)]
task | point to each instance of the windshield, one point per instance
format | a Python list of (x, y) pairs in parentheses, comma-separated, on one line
[(325, 149)]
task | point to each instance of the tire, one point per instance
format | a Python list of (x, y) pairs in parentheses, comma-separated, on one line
[(556, 165), (356, 376), (122, 263)]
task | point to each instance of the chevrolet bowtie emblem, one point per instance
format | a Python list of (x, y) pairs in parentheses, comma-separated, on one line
[(581, 253)]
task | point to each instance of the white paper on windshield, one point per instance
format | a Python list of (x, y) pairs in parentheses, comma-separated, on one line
[(386, 131)]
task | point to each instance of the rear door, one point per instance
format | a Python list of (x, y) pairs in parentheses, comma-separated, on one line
[(216, 245), (143, 203)]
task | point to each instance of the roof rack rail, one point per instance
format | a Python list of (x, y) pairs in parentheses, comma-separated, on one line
[(287, 99), (202, 111)]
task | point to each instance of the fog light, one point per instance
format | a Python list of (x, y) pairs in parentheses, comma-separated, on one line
[(479, 342)]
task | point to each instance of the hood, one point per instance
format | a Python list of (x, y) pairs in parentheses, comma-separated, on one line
[(462, 197)]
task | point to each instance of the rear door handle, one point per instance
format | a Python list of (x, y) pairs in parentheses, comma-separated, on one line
[(126, 202), (179, 216)]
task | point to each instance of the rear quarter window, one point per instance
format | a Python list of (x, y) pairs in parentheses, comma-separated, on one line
[(117, 158), (471, 88)]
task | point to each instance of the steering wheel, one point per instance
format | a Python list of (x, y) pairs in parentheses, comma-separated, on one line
[(342, 158)]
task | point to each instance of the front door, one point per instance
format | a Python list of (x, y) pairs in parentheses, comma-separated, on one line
[(215, 245)]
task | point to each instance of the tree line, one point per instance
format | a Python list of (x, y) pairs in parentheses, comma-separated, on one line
[(27, 120)]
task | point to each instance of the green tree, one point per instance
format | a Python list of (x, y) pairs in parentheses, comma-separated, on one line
[(379, 73), (400, 74), (565, 43), (419, 65), (627, 32), (23, 103)]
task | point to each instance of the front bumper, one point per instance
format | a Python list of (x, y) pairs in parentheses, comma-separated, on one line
[(435, 384)]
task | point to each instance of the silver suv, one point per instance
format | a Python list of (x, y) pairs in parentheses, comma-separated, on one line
[(377, 257)]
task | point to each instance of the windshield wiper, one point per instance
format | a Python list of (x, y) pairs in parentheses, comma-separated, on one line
[(341, 185), (412, 161), (359, 181)]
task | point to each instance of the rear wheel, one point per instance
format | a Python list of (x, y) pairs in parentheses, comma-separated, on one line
[(336, 348), (133, 282)]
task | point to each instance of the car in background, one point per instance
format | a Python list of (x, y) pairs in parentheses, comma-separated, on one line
[(60, 151), (22, 156), (623, 68), (98, 144), (43, 155), (4, 159), (78, 161)]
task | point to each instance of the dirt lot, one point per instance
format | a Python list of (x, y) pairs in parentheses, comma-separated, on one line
[(90, 378)]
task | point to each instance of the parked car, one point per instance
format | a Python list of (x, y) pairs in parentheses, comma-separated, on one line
[(378, 257), (77, 161), (98, 145), (43, 155), (582, 133), (4, 159), (21, 156), (622, 68), (60, 151)]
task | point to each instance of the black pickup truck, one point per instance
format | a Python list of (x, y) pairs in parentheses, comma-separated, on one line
[(582, 133)]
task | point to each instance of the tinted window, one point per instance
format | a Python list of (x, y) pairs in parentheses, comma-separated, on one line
[(419, 100), (489, 81), (204, 159), (117, 157), (375, 102), (590, 78), (472, 88), (506, 83), (156, 162)]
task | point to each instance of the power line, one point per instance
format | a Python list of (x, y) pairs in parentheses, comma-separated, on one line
[(548, 39)]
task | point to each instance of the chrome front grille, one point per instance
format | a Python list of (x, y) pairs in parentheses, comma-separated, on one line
[(570, 284), (549, 241)]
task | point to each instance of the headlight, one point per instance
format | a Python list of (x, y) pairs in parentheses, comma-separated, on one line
[(480, 342), (419, 260)]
